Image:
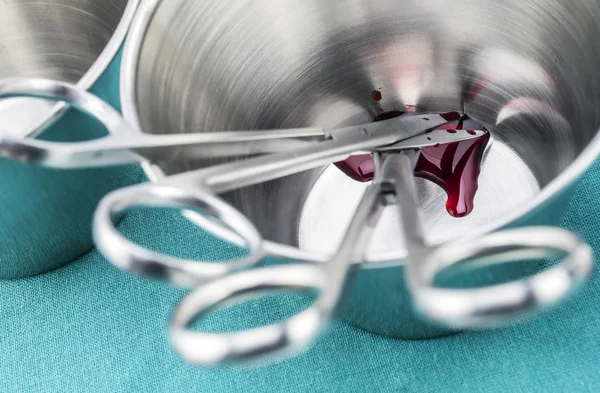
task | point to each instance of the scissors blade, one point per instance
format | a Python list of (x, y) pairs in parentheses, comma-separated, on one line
[(343, 143), (398, 170), (227, 144), (248, 143), (396, 129), (434, 138), (155, 148)]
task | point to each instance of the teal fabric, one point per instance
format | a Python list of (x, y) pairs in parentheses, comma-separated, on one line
[(90, 327), (52, 209)]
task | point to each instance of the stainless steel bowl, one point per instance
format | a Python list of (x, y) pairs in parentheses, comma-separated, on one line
[(46, 214), (527, 69)]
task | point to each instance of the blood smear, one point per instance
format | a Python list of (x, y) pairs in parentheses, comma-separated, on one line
[(455, 167)]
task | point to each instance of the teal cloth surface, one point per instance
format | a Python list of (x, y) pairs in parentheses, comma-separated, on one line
[(90, 327)]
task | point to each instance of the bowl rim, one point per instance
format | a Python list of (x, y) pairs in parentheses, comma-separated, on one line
[(567, 178), (98, 67)]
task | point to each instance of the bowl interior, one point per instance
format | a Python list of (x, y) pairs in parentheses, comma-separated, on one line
[(59, 39), (527, 69)]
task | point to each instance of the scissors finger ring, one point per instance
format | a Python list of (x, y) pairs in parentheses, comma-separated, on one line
[(498, 304)]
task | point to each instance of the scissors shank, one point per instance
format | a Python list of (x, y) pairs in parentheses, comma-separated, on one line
[(398, 170), (221, 149), (156, 148), (434, 138), (23, 152), (345, 142), (249, 172), (352, 247)]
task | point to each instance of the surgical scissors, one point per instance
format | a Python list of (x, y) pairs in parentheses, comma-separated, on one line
[(392, 142), (465, 308), (196, 191), (122, 146)]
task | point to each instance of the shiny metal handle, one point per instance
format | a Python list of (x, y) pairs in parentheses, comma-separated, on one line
[(182, 272), (50, 153), (291, 335), (499, 304), (265, 342), (492, 305)]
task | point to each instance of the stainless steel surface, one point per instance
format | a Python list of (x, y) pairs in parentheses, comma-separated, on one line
[(526, 69), (325, 210), (414, 53), (68, 40), (74, 41), (193, 191)]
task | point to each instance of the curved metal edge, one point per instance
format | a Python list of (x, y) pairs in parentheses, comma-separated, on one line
[(100, 65), (181, 272), (263, 344), (131, 50), (128, 99), (500, 304), (132, 47)]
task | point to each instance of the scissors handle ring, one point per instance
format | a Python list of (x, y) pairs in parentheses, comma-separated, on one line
[(53, 90), (498, 304), (182, 272), (262, 343)]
